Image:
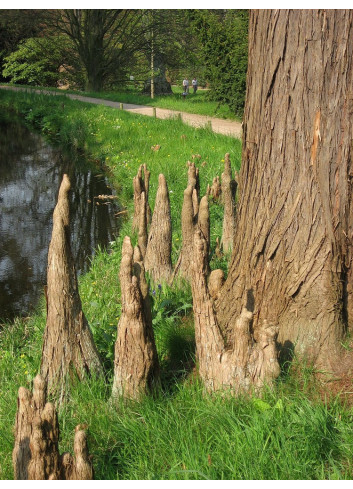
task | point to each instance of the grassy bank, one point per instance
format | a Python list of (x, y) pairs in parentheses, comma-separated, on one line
[(198, 103), (181, 433)]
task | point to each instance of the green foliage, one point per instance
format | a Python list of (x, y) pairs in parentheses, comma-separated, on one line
[(224, 41), (17, 25), (105, 41), (35, 62)]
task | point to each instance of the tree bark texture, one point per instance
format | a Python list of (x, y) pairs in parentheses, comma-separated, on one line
[(141, 185), (68, 343), (216, 189), (142, 230), (247, 364), (157, 260), (229, 188), (192, 219), (136, 367), (36, 454), (292, 258)]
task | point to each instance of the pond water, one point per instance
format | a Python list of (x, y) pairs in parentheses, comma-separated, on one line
[(30, 175)]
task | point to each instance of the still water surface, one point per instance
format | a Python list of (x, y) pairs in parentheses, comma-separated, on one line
[(30, 175)]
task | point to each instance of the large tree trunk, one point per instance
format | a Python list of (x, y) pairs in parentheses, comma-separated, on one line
[(292, 254)]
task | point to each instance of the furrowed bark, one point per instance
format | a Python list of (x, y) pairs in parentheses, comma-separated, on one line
[(193, 177), (189, 222), (136, 367), (68, 344), (141, 185), (244, 366), (142, 231), (294, 220), (157, 259), (229, 188), (187, 228)]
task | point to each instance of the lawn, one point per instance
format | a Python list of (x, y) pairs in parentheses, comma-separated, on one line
[(198, 103)]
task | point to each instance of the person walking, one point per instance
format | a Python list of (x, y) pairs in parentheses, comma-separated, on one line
[(194, 84), (186, 85)]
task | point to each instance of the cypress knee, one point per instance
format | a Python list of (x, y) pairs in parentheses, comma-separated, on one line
[(157, 259), (136, 368), (68, 342), (239, 362), (36, 453)]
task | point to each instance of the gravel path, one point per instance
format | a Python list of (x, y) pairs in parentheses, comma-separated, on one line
[(221, 126)]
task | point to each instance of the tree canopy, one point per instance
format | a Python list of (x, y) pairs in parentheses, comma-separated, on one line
[(100, 48)]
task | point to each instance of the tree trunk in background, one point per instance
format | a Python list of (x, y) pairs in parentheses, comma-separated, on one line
[(292, 256)]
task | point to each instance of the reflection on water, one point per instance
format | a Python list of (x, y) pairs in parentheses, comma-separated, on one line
[(30, 175)]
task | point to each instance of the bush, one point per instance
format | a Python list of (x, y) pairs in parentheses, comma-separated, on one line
[(224, 40), (36, 62)]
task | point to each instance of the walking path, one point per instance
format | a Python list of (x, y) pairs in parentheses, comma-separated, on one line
[(221, 126)]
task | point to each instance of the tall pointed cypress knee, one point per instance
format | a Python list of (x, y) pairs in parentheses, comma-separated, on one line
[(216, 189), (142, 231), (157, 259), (141, 185), (136, 367), (189, 223), (68, 343)]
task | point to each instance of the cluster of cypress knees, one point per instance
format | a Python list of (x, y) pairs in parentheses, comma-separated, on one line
[(239, 363)]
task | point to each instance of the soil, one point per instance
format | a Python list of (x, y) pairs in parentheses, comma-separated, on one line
[(221, 126)]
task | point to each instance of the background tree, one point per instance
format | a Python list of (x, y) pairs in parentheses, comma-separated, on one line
[(292, 256), (15, 26), (173, 45), (37, 61), (105, 41), (224, 53)]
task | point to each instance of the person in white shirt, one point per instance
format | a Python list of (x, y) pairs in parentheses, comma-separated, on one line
[(194, 84), (186, 85)]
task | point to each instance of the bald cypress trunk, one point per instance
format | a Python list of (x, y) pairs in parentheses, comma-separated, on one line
[(292, 258)]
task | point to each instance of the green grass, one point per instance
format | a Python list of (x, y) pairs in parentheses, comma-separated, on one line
[(198, 103), (181, 432)]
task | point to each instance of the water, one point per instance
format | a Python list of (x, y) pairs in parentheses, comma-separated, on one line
[(30, 175)]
